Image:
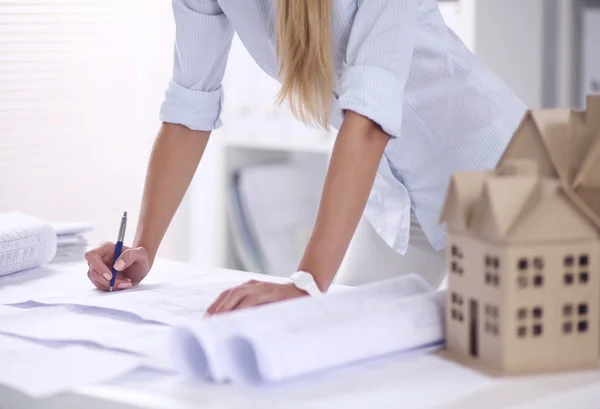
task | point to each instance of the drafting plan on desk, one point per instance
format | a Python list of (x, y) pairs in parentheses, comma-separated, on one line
[(83, 325), (174, 303), (41, 371), (25, 242)]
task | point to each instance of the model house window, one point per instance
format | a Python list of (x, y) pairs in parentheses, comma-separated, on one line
[(568, 278), (583, 269), (491, 319), (538, 272), (571, 274), (530, 321), (530, 272), (492, 271), (567, 316), (522, 266), (582, 311), (457, 307), (569, 260), (457, 255), (575, 314)]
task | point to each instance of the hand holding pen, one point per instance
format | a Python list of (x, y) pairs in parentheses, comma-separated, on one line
[(114, 266)]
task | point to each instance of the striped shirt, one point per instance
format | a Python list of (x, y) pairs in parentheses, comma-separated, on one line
[(397, 63)]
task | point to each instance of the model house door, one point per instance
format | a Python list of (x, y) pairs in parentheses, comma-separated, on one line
[(473, 328)]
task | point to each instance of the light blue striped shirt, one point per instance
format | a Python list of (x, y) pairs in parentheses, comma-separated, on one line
[(397, 63)]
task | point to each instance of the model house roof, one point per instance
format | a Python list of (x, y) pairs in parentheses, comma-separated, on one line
[(565, 145), (514, 204)]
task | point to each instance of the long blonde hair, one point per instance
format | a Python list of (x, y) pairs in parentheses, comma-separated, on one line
[(304, 51)]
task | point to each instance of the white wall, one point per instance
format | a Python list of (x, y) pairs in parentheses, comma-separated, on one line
[(80, 89), (509, 38)]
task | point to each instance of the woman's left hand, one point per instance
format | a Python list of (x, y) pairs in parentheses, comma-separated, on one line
[(251, 294)]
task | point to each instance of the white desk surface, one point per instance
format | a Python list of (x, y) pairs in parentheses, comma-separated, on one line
[(394, 383)]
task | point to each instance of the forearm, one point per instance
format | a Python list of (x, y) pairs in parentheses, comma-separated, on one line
[(175, 156), (352, 170)]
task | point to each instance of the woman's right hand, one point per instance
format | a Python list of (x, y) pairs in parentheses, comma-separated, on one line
[(133, 266)]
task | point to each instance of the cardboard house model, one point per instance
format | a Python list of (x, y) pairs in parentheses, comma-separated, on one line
[(523, 252)]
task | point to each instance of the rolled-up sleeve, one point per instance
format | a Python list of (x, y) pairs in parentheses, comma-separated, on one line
[(379, 56), (203, 39)]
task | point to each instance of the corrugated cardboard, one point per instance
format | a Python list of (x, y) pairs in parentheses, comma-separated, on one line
[(523, 250)]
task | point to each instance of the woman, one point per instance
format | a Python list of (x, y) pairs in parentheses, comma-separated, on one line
[(411, 103)]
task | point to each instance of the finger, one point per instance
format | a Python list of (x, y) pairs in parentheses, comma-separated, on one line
[(104, 279), (103, 282), (256, 299), (97, 280), (129, 257), (211, 309), (96, 263), (234, 297)]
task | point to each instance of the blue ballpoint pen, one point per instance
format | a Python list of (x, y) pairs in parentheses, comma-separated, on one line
[(118, 249)]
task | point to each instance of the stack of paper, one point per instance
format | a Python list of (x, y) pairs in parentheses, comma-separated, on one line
[(271, 343), (71, 241), (25, 242)]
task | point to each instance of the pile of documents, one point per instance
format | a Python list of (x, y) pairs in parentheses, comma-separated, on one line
[(71, 241), (27, 241), (161, 327)]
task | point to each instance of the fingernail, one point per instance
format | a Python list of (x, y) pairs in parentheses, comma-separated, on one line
[(124, 285), (107, 276), (119, 265), (206, 314)]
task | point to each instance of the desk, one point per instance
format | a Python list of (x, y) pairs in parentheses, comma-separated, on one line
[(381, 384)]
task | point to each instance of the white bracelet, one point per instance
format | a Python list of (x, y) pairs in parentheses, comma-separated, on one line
[(306, 282)]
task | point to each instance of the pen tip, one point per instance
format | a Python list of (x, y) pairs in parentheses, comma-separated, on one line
[(124, 214), (111, 288)]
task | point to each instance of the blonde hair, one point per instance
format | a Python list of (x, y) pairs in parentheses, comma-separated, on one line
[(304, 51)]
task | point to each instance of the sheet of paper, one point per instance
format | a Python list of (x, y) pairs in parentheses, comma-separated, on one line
[(73, 325), (46, 281), (41, 371), (178, 302), (6, 311), (376, 330), (69, 282), (70, 228), (196, 346), (25, 242)]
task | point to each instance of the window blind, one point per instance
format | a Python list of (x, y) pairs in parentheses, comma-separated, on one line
[(81, 83)]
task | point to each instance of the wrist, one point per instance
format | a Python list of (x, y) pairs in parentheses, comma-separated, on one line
[(305, 282), (150, 249)]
